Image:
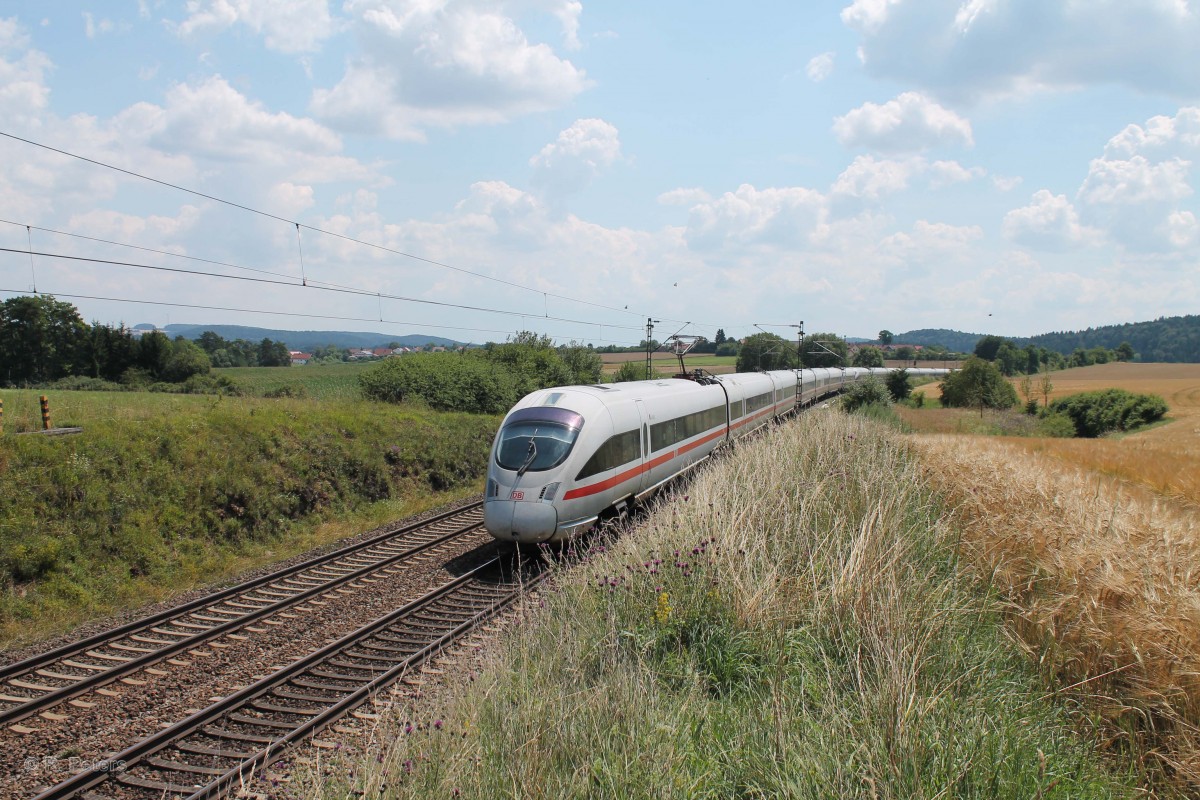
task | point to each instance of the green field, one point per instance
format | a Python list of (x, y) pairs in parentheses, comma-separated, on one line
[(337, 381)]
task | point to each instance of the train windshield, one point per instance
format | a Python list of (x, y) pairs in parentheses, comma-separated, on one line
[(534, 445)]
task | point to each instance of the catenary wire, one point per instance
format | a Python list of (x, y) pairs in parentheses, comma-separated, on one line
[(344, 237), (287, 313)]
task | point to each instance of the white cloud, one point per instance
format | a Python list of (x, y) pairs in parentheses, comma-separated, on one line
[(1136, 181), (1140, 189), (684, 197), (819, 67), (1182, 230), (579, 154), (909, 123), (24, 94), (288, 26), (449, 64), (868, 178), (92, 28), (1006, 183), (1049, 222), (213, 120), (774, 216), (973, 48), (1161, 136)]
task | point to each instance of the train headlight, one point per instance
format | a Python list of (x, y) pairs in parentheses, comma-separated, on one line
[(493, 489), (550, 492)]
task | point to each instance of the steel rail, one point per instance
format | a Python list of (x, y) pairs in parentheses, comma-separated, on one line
[(136, 754), (98, 679)]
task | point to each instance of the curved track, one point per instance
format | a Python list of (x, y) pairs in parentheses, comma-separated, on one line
[(219, 748), (38, 683)]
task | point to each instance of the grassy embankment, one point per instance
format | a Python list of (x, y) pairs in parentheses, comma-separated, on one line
[(798, 624), (162, 493)]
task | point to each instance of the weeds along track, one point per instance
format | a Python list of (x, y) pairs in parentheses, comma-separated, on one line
[(217, 750), (36, 684)]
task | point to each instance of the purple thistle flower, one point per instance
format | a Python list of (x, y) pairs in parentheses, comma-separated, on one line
[(437, 723)]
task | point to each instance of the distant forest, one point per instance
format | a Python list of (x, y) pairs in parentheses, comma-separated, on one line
[(1170, 339)]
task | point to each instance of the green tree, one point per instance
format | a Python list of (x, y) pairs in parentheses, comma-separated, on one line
[(978, 384), (39, 339), (816, 349), (185, 360), (630, 371), (868, 357), (987, 347), (273, 354), (897, 384), (720, 340), (885, 337), (584, 363), (765, 351), (1125, 352)]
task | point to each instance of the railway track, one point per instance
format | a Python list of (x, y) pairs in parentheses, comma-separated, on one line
[(64, 674), (218, 749)]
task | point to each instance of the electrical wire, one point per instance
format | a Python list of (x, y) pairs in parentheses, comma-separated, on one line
[(299, 225), (288, 314), (291, 282)]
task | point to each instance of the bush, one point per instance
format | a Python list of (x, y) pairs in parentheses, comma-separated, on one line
[(898, 386), (1097, 413), (630, 371), (1056, 426), (978, 384), (864, 393), (443, 381)]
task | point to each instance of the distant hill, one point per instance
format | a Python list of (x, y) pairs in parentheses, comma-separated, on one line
[(1166, 339), (954, 341), (308, 340)]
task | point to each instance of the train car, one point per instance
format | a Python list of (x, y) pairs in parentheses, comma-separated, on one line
[(564, 456)]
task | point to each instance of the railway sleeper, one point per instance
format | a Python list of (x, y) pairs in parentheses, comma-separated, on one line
[(239, 736), (263, 722), (419, 641), (158, 786), (351, 665), (179, 766), (323, 687), (357, 680), (309, 698), (204, 750), (408, 651), (380, 657), (272, 708)]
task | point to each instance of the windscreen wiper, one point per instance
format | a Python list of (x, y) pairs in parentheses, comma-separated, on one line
[(528, 459)]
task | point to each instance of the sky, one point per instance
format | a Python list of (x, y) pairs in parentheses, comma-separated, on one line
[(471, 168)]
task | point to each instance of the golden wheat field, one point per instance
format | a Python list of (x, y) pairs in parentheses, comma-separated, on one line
[(1094, 544), (1165, 459)]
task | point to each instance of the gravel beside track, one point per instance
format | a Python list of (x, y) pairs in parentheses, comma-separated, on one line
[(71, 737)]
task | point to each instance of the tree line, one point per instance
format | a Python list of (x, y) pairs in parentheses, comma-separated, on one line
[(44, 340)]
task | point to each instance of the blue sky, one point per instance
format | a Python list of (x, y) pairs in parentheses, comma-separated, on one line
[(999, 166)]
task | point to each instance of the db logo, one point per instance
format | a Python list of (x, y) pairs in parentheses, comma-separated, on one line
[(518, 495)]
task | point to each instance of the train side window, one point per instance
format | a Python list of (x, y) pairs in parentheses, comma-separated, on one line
[(617, 451)]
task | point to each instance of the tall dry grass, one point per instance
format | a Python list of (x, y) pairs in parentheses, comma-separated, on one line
[(792, 625), (1102, 585)]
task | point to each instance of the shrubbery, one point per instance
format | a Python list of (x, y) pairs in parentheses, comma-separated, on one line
[(978, 384), (1097, 413), (869, 392), (487, 381)]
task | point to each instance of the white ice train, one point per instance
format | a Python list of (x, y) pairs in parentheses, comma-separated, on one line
[(567, 455)]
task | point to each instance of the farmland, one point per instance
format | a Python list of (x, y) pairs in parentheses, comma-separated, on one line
[(337, 381), (1164, 459)]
